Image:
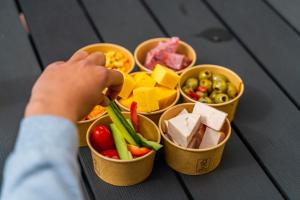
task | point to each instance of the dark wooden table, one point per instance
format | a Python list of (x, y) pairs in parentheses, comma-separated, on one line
[(258, 39)]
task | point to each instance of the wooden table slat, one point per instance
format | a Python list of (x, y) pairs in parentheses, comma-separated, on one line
[(289, 10), (268, 37), (18, 70)]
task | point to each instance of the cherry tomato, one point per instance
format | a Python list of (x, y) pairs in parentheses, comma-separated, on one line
[(101, 138), (138, 151), (111, 153)]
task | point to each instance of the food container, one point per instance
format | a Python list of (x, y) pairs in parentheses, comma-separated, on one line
[(83, 126), (229, 106), (105, 47), (191, 161), (155, 115), (124, 172), (142, 49)]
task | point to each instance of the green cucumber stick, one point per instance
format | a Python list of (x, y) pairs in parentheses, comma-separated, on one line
[(119, 125), (122, 119), (147, 143), (120, 143), (150, 144)]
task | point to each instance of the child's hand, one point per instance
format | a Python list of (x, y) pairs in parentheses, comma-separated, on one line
[(71, 89)]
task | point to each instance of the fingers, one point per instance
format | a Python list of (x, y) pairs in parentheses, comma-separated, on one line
[(96, 58), (114, 83), (78, 56)]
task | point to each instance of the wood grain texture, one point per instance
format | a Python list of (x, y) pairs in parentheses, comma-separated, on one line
[(268, 37), (289, 9), (18, 70), (58, 28), (123, 22), (268, 121)]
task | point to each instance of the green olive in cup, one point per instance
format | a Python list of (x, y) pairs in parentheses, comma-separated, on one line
[(206, 83), (219, 86), (231, 90), (216, 77), (205, 100), (221, 98), (206, 74), (192, 83)]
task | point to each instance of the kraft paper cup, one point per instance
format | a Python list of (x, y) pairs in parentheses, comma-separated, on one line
[(124, 172), (142, 49), (105, 47), (83, 126), (155, 115), (229, 106), (191, 161)]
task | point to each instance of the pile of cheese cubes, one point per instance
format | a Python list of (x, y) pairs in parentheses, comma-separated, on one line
[(198, 130), (151, 91)]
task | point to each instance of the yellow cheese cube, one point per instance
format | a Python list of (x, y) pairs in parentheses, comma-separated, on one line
[(165, 96), (165, 76), (127, 87), (142, 79), (146, 99), (127, 102)]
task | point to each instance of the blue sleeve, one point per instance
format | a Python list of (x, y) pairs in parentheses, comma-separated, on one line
[(43, 164)]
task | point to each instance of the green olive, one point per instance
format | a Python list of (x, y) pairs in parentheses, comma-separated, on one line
[(205, 100), (221, 98), (201, 94), (205, 75), (206, 83), (213, 95), (216, 77), (192, 83), (186, 89), (231, 90), (219, 86)]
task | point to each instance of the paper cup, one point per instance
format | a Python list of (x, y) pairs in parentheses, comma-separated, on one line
[(191, 161), (229, 106), (124, 172), (142, 49), (83, 126), (105, 47), (155, 115)]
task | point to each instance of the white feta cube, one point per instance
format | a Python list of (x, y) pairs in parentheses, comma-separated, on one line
[(182, 128), (184, 111), (211, 138), (210, 116)]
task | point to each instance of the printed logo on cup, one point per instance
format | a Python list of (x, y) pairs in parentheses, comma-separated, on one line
[(202, 164)]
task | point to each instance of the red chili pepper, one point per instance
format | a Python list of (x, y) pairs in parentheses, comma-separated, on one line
[(134, 116), (202, 88), (193, 95), (138, 151)]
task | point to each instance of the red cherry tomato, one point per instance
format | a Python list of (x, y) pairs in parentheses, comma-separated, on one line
[(101, 138), (138, 151), (111, 153), (202, 89)]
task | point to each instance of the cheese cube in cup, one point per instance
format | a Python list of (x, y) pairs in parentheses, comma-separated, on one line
[(210, 116), (183, 127)]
